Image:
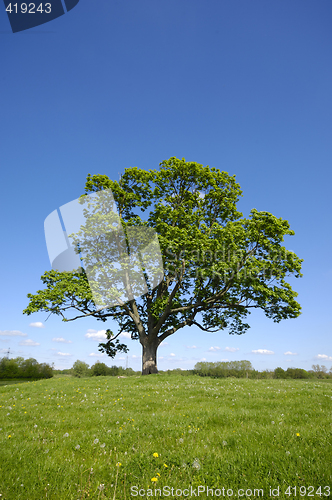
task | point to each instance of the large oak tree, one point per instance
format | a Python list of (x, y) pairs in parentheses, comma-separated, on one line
[(217, 264)]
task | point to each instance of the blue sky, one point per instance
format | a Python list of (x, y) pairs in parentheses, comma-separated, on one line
[(242, 86)]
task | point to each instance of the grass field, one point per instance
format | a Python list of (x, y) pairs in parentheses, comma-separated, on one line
[(104, 437)]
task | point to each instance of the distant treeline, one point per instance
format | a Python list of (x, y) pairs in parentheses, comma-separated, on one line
[(81, 369), (18, 368), (244, 369)]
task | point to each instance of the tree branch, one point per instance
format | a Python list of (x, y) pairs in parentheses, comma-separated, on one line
[(170, 298)]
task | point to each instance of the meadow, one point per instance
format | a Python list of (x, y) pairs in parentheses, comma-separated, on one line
[(165, 436)]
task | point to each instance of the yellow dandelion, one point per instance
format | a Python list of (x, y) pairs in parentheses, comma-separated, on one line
[(165, 465), (9, 436), (154, 479), (297, 433), (118, 464), (156, 455)]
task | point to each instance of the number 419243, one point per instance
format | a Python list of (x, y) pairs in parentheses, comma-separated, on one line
[(29, 8)]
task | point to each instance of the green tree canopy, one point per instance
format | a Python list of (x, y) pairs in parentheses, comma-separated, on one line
[(217, 264)]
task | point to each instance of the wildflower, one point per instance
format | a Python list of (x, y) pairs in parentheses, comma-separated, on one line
[(102, 445), (66, 435), (118, 464), (154, 479), (180, 440), (156, 455), (96, 441), (196, 464), (77, 447), (272, 422), (101, 487), (165, 465), (224, 443), (158, 474), (297, 433), (35, 425), (9, 436)]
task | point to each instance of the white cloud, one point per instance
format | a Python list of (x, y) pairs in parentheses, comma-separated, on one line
[(3, 350), (121, 358), (28, 342), (203, 359), (96, 335), (191, 347), (60, 339), (126, 335), (172, 354), (160, 357), (98, 355), (12, 333), (324, 356), (163, 344), (288, 353), (213, 349), (262, 351), (38, 324), (136, 357), (63, 354), (231, 349)]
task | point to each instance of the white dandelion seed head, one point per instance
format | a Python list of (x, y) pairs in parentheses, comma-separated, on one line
[(196, 464)]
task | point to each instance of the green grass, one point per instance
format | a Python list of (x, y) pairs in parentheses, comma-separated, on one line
[(62, 438)]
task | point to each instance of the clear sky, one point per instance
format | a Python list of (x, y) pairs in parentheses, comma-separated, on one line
[(243, 86)]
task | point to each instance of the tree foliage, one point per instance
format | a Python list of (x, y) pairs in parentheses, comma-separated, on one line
[(17, 368), (80, 369), (218, 265)]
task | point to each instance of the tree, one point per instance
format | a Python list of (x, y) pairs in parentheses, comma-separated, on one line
[(217, 265), (80, 369), (279, 373), (99, 369)]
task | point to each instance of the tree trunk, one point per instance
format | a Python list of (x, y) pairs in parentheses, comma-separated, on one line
[(149, 360)]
